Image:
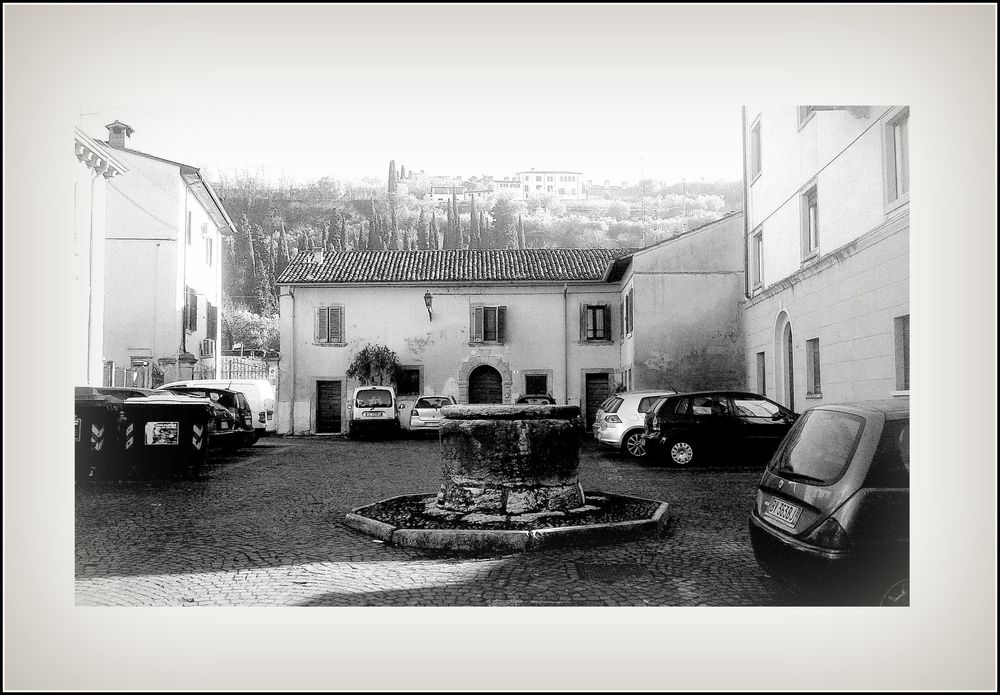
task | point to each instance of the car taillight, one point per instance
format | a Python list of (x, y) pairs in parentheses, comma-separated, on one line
[(612, 418), (413, 413), (260, 419), (270, 414), (654, 423), (831, 535)]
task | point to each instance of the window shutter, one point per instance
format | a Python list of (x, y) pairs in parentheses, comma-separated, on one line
[(192, 312), (606, 329), (323, 326), (501, 324), (477, 325), (211, 320), (622, 308), (336, 324), (583, 322)]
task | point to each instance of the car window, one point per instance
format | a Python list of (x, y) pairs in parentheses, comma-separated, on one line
[(891, 465), (612, 404), (819, 447), (433, 402), (645, 403), (746, 406), (374, 398), (678, 407), (712, 404), (606, 402)]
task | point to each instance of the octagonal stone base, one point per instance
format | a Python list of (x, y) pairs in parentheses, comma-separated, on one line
[(469, 538)]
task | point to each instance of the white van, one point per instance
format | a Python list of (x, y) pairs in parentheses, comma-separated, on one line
[(259, 392), (373, 408)]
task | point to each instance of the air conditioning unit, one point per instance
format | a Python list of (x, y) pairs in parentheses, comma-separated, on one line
[(208, 347)]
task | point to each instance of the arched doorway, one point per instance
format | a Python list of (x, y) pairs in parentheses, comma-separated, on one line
[(485, 385), (784, 369)]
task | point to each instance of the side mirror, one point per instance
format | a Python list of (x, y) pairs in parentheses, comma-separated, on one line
[(779, 416)]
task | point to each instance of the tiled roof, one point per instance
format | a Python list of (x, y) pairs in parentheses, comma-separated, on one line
[(466, 265)]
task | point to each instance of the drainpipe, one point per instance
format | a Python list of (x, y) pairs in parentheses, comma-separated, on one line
[(291, 368), (90, 286), (746, 206), (566, 343)]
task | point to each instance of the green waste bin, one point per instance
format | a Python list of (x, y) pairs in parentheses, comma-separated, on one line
[(98, 449), (165, 436)]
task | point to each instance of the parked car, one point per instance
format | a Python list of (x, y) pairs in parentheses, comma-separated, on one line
[(620, 420), (259, 393), (425, 415), (124, 392), (233, 431), (831, 517), (535, 399), (373, 409), (693, 428)]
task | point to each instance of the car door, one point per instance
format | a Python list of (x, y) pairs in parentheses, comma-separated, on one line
[(712, 422), (761, 424)]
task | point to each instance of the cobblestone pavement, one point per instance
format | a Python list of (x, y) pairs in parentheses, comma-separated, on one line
[(264, 527)]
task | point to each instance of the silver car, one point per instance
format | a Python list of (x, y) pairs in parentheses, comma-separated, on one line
[(620, 420), (425, 414)]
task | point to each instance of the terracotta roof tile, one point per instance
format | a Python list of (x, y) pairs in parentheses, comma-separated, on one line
[(465, 265)]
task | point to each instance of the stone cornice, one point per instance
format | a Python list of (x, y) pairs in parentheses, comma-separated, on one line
[(97, 156), (891, 226)]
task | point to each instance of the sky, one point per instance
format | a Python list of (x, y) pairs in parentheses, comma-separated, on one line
[(696, 143)]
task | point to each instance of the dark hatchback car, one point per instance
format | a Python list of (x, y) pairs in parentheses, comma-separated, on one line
[(831, 519), (231, 433), (693, 428)]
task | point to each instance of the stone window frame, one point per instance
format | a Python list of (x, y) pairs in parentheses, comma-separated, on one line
[(901, 354), (755, 156), (808, 199), (892, 121), (757, 259), (585, 308), (343, 326), (524, 373), (814, 383)]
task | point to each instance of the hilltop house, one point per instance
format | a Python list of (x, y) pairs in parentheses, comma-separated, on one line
[(486, 326), (827, 310)]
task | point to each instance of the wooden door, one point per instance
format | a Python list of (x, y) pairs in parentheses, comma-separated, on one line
[(328, 405), (485, 385), (597, 391)]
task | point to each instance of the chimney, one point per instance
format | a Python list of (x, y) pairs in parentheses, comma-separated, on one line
[(317, 256), (118, 134)]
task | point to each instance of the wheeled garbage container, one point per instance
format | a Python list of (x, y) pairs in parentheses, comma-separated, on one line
[(98, 450), (166, 436)]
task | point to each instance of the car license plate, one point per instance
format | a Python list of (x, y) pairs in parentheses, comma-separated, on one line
[(372, 414), (225, 425), (77, 429), (782, 512)]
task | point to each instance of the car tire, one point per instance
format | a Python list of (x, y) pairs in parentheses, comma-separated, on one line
[(634, 446), (681, 451), (897, 595)]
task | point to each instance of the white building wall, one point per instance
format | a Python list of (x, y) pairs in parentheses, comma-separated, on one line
[(540, 336), (848, 295)]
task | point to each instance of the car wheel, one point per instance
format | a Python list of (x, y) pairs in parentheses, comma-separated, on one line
[(897, 595), (633, 445), (681, 451)]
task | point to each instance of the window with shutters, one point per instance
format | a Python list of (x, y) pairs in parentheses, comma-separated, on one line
[(190, 309), (629, 311), (208, 252), (488, 324), (595, 323), (330, 325), (211, 320)]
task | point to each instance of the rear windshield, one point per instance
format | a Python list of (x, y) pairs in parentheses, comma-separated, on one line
[(435, 402), (612, 404), (225, 399), (374, 398), (819, 447)]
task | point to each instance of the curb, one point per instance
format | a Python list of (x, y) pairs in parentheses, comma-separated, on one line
[(508, 541)]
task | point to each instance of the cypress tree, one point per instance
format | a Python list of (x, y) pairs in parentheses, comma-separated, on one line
[(392, 177), (422, 230), (473, 225), (504, 226), (521, 243), (434, 233)]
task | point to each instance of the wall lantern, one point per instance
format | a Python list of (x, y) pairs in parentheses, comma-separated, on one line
[(427, 300)]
